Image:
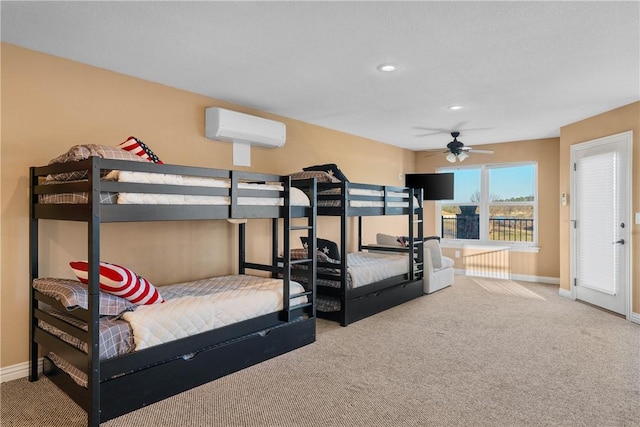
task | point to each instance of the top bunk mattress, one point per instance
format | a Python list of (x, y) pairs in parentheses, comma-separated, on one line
[(297, 196), (326, 202), (334, 189), (117, 176)]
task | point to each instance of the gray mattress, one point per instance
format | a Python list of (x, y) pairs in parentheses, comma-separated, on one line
[(363, 268)]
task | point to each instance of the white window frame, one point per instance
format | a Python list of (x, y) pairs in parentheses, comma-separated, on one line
[(483, 210)]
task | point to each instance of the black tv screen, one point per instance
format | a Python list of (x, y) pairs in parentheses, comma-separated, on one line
[(435, 186)]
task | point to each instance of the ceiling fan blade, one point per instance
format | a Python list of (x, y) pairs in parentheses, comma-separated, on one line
[(470, 129), (459, 127), (473, 150), (437, 130), (434, 152), (427, 134)]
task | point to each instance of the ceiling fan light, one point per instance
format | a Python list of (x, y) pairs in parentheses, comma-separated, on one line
[(451, 157), (463, 155)]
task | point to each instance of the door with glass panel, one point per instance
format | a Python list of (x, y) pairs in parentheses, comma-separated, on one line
[(600, 221)]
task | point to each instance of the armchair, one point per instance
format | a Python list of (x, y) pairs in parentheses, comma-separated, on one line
[(438, 269)]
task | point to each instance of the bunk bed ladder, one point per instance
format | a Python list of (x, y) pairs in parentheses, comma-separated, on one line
[(310, 261), (280, 266), (344, 232), (416, 242)]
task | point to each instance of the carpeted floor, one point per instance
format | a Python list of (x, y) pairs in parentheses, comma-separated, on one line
[(484, 352)]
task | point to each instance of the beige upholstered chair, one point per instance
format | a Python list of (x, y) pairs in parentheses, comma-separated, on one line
[(438, 269)]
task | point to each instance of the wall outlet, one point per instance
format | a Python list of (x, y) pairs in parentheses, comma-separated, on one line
[(637, 217), (457, 254)]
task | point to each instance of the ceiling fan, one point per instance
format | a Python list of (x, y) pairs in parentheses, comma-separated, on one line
[(436, 131), (458, 151)]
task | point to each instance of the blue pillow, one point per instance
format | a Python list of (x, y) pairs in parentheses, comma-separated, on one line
[(330, 168), (327, 246)]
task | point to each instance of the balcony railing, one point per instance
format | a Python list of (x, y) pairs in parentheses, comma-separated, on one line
[(500, 229)]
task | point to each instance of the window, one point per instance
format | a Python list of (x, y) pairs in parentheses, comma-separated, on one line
[(493, 203)]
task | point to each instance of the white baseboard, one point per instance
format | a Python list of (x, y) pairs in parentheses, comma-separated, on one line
[(565, 293), (536, 279), (520, 277), (14, 372), (635, 317)]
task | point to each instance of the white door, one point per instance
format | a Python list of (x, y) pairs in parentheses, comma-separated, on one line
[(601, 221)]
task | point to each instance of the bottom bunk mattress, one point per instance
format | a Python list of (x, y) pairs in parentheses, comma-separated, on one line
[(363, 268), (189, 308)]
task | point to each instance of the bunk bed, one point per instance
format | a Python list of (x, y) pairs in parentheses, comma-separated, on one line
[(108, 383), (392, 275)]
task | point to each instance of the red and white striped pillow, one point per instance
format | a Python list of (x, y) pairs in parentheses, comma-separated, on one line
[(135, 146), (120, 281)]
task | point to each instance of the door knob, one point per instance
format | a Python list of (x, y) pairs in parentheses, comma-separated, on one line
[(621, 241)]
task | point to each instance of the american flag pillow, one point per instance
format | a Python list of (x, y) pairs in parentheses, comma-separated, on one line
[(120, 281), (135, 146)]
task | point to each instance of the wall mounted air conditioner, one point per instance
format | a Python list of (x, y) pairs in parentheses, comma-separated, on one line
[(227, 125)]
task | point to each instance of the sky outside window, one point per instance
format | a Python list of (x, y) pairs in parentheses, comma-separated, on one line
[(512, 182), (466, 182), (504, 182)]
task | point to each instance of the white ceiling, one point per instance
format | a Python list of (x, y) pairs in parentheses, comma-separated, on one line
[(521, 69)]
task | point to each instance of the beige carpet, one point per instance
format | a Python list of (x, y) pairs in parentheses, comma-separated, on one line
[(481, 353)]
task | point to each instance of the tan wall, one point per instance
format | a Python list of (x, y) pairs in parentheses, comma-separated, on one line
[(612, 122), (50, 104), (542, 264)]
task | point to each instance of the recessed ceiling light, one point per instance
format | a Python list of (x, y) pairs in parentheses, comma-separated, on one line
[(455, 107), (388, 67)]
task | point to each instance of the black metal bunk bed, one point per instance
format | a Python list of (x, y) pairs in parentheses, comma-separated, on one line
[(124, 383), (348, 200)]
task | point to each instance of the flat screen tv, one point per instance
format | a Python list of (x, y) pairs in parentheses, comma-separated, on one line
[(435, 186)]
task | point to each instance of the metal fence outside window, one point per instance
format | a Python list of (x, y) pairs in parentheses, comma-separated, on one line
[(501, 229)]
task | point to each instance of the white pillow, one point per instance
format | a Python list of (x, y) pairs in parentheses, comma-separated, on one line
[(386, 240), (436, 253)]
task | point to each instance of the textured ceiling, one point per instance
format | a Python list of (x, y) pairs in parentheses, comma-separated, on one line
[(521, 69)]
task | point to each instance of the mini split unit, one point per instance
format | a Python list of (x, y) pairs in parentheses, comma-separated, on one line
[(243, 130), (230, 125)]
